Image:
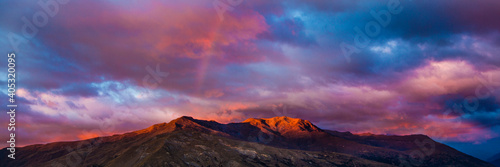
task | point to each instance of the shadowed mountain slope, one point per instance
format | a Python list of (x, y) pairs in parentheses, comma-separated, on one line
[(495, 160)]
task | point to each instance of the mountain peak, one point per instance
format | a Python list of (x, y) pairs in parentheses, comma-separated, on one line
[(184, 121), (283, 124), (282, 118), (186, 117)]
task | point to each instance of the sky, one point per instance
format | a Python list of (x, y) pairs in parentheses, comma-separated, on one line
[(102, 67)]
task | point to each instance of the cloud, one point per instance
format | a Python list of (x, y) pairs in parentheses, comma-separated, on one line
[(265, 59)]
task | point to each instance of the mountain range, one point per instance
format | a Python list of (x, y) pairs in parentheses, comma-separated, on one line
[(278, 141)]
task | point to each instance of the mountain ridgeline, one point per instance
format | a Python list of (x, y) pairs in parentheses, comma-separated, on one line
[(279, 141)]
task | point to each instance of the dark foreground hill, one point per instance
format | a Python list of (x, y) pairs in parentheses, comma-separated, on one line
[(279, 141), (495, 160)]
